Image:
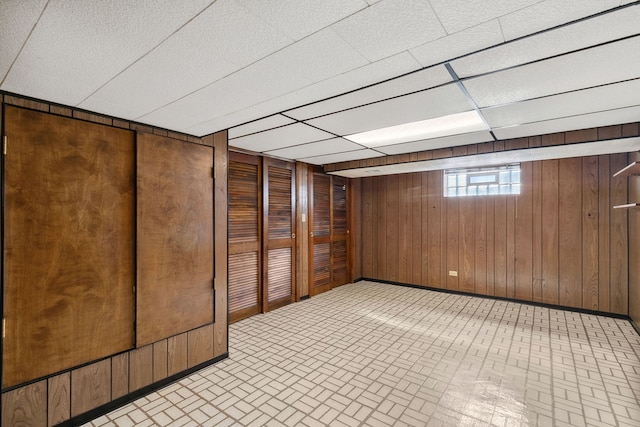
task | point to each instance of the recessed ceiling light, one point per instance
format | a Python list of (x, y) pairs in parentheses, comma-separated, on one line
[(452, 124)]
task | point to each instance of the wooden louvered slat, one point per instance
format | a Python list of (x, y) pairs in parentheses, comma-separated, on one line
[(244, 237), (279, 273), (321, 205), (339, 205), (243, 281), (280, 207), (243, 202), (339, 267), (321, 265)]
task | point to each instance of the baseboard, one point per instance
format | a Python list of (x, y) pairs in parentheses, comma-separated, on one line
[(128, 398), (533, 303), (304, 297)]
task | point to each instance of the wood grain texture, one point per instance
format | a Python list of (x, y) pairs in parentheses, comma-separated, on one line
[(199, 345), (68, 243), (278, 239), (570, 232), (174, 237), (303, 230), (634, 246), (177, 354), (416, 258), (140, 367), (25, 406), (339, 230), (355, 228), (619, 235), (119, 375), (320, 231), (245, 210), (536, 246), (59, 399), (219, 142), (160, 360), (90, 387)]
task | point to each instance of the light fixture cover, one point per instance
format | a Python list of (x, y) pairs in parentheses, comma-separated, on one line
[(453, 124)]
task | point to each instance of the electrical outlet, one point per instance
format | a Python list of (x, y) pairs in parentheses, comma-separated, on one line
[(453, 273)]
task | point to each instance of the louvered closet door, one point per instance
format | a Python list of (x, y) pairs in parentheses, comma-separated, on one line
[(245, 293), (279, 237), (339, 232), (320, 234)]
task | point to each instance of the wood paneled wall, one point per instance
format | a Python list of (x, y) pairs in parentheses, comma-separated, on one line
[(57, 398), (634, 245), (558, 242)]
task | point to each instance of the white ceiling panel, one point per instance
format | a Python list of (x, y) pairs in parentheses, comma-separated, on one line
[(590, 32), (591, 67), (413, 82), (285, 136), (298, 18), (423, 105), (457, 15), (461, 43), (390, 27), (314, 149), (76, 47), (435, 143), (623, 145), (585, 101), (18, 19), (342, 157), (549, 13), (604, 118), (270, 122)]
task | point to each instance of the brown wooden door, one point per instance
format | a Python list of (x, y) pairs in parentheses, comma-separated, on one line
[(245, 211), (174, 237), (339, 231), (279, 235), (69, 235), (320, 233), (329, 231)]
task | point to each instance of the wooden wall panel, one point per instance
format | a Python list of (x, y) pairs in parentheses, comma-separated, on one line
[(90, 387), (590, 224), (119, 375), (68, 243), (177, 354), (355, 230), (279, 269), (199, 345), (160, 360), (339, 274), (536, 246), (174, 237), (59, 399), (619, 235), (634, 246), (25, 406), (303, 230), (140, 367)]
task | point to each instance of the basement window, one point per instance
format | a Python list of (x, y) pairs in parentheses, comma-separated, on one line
[(483, 181)]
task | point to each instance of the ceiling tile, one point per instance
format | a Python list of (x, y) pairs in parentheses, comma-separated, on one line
[(586, 33), (314, 149), (390, 27), (297, 18), (18, 19), (585, 101), (435, 143), (413, 82), (604, 118), (547, 14), (78, 46), (461, 43), (285, 136), (270, 122), (342, 157), (423, 105), (457, 15), (591, 67)]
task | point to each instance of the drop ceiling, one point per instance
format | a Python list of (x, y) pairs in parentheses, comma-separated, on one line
[(294, 79)]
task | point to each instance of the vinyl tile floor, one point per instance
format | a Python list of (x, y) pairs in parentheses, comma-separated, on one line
[(371, 354)]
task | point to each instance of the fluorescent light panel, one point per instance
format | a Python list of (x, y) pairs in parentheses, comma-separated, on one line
[(453, 124)]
